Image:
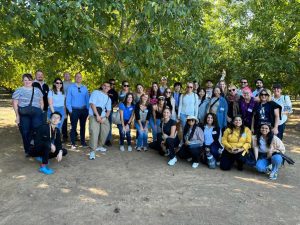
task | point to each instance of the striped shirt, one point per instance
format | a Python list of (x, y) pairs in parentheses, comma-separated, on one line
[(23, 95)]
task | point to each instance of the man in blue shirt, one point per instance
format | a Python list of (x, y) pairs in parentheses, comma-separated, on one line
[(77, 103)]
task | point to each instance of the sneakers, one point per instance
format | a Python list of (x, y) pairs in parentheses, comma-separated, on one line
[(195, 165), (122, 149), (92, 155), (46, 170), (273, 176), (172, 161), (145, 149), (129, 148), (73, 147), (211, 162), (101, 149), (138, 149)]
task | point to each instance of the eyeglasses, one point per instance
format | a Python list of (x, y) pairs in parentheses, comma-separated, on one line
[(231, 90), (168, 92), (79, 90), (126, 85), (58, 83), (244, 82)]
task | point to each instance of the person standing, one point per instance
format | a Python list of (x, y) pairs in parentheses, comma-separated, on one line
[(28, 104), (163, 85), (286, 107), (66, 84), (247, 105), (188, 105), (99, 110), (259, 83), (244, 84), (233, 103), (202, 105), (113, 94), (209, 88), (56, 100), (176, 95), (40, 84), (124, 91), (77, 102)]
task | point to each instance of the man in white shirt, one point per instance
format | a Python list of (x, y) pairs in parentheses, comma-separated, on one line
[(286, 107)]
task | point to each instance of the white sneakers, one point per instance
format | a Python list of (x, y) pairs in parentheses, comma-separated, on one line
[(129, 148), (92, 155), (195, 165), (101, 149), (122, 149), (172, 161)]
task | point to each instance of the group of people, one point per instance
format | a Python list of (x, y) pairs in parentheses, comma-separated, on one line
[(217, 125)]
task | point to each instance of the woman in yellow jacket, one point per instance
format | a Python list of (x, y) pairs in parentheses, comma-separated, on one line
[(237, 141)]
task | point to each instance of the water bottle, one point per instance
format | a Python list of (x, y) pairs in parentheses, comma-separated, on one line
[(210, 159)]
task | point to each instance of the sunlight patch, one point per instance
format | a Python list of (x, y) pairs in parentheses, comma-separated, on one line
[(265, 183)]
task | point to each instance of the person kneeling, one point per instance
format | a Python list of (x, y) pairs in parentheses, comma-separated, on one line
[(267, 148), (237, 141), (47, 143), (192, 142), (168, 138)]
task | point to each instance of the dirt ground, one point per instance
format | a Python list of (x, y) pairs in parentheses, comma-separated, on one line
[(140, 188)]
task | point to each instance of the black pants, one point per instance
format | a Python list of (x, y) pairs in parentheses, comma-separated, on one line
[(44, 151), (81, 115), (65, 125), (190, 151), (227, 160)]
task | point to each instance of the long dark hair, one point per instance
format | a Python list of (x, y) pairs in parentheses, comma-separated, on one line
[(54, 86), (186, 129), (198, 90), (270, 135), (215, 120), (231, 125), (152, 93), (126, 97)]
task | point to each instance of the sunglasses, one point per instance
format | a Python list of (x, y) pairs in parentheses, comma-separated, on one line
[(244, 82), (191, 120), (79, 90), (168, 92), (264, 94), (190, 87), (230, 90), (161, 99), (58, 83), (126, 85)]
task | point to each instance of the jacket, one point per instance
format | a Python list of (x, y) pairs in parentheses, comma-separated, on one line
[(221, 112), (233, 140), (43, 138), (276, 146)]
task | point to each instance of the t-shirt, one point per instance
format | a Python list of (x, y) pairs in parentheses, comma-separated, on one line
[(100, 99), (23, 95), (166, 127), (208, 137), (264, 111), (214, 105), (286, 105), (262, 145), (127, 111), (58, 98)]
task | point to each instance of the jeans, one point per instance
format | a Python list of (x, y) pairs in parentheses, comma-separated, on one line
[(281, 129), (142, 136), (65, 124), (214, 150), (262, 163), (183, 120), (154, 127), (81, 115), (123, 134), (190, 151), (61, 110), (27, 126)]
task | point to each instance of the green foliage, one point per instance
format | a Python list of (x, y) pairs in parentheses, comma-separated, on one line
[(143, 40)]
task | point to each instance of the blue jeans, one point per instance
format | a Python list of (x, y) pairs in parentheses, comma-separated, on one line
[(27, 126), (61, 110), (183, 120), (214, 150), (123, 134), (154, 127), (142, 136), (81, 115), (262, 163), (281, 129)]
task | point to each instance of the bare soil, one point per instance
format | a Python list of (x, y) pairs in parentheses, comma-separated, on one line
[(139, 187)]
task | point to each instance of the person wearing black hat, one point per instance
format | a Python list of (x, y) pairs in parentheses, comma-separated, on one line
[(286, 107)]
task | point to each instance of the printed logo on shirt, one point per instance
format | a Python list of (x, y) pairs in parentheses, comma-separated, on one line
[(222, 109), (214, 132), (250, 110), (244, 135)]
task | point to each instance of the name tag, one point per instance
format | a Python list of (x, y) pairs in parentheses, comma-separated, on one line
[(222, 109), (244, 135), (214, 132), (130, 109), (250, 110)]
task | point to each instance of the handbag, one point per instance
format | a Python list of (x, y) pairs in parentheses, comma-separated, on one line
[(287, 158), (27, 110), (116, 118)]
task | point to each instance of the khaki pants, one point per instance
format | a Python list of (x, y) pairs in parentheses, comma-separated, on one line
[(98, 132)]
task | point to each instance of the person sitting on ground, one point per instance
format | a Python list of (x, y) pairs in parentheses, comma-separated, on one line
[(47, 143), (267, 148), (168, 139), (211, 143), (192, 142), (237, 141)]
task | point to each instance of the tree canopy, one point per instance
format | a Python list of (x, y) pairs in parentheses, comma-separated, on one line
[(140, 40)]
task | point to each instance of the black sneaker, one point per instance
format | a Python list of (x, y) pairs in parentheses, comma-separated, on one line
[(108, 143)]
